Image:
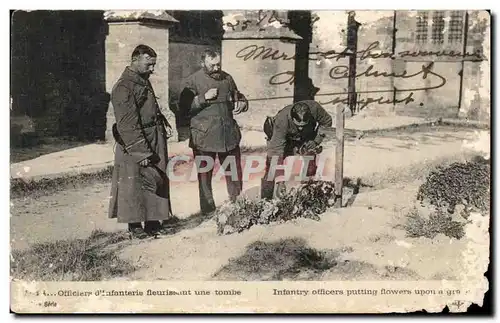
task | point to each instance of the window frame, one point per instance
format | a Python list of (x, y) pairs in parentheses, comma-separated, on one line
[(448, 42)]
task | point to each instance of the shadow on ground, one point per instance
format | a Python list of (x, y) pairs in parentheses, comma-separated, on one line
[(176, 225), (92, 259), (292, 259), (356, 187), (31, 150), (280, 260)]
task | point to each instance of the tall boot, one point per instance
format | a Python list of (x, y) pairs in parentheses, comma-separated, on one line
[(137, 231), (152, 227)]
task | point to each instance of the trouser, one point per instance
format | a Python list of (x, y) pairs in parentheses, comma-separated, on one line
[(267, 183), (234, 186)]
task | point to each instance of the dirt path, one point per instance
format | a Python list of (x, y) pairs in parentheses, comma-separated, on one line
[(360, 243), (75, 213)]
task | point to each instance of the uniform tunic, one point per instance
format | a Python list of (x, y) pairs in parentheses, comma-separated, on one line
[(213, 130), (212, 126)]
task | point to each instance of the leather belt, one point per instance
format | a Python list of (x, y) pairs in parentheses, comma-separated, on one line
[(150, 124)]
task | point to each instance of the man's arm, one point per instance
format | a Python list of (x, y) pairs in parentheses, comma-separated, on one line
[(242, 104), (232, 83), (325, 123), (128, 123), (276, 149), (190, 99), (277, 144)]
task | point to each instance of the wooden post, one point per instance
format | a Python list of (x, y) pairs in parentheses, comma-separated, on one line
[(352, 42), (352, 48), (339, 155), (462, 63)]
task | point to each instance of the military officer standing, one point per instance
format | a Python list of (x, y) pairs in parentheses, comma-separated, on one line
[(140, 187)]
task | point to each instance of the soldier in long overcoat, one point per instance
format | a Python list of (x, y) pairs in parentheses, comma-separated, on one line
[(210, 98), (140, 186)]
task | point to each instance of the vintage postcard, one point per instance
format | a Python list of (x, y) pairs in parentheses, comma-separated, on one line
[(249, 161)]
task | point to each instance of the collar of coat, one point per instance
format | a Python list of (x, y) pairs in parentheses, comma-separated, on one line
[(132, 76)]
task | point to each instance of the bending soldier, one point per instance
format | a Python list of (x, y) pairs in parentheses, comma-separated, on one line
[(296, 129)]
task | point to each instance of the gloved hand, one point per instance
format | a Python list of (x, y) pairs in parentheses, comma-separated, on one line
[(310, 147), (168, 131), (151, 160), (168, 128), (238, 101), (319, 138), (240, 107)]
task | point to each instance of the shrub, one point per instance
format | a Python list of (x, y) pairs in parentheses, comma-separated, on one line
[(437, 222), (460, 183), (307, 201)]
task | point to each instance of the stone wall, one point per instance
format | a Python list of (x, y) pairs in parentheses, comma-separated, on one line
[(261, 60), (253, 77), (61, 78), (123, 37), (476, 97), (396, 74)]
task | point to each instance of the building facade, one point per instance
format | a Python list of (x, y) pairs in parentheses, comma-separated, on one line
[(416, 63)]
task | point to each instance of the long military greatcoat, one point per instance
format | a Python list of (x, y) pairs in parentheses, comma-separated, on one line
[(136, 195)]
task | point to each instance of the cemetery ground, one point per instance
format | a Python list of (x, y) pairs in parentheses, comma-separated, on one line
[(60, 229)]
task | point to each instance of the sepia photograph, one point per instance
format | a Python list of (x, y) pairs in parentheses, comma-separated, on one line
[(257, 161)]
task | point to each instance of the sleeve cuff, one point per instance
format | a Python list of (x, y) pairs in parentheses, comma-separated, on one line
[(143, 157), (201, 100), (319, 138)]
